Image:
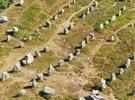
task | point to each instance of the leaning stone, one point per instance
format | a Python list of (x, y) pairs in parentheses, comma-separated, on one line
[(22, 92), (5, 76), (51, 70), (37, 53), (48, 90), (17, 67), (61, 63)]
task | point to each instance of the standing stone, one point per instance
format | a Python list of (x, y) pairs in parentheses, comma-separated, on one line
[(88, 11), (55, 17), (133, 92), (92, 36), (132, 24), (83, 44), (113, 18), (95, 92), (9, 37), (48, 90), (29, 38), (37, 32), (21, 44), (22, 92), (71, 25), (101, 26), (17, 67), (121, 71), (46, 49), (28, 59), (37, 53), (21, 2), (48, 24), (74, 1), (61, 63), (113, 77), (62, 11), (92, 8), (95, 3), (70, 57), (66, 31), (103, 84), (77, 52), (119, 13), (34, 82), (69, 5), (124, 8), (112, 38), (83, 15), (40, 76), (87, 39), (5, 76), (51, 70), (127, 63), (106, 22)]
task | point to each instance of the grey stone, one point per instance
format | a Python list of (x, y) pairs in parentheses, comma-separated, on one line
[(133, 92), (103, 84), (5, 76), (61, 63), (121, 71), (127, 63), (37, 53), (3, 19), (83, 44), (34, 83), (40, 76), (55, 17), (113, 18), (77, 52), (70, 57), (9, 37), (21, 92), (28, 59), (17, 67), (48, 90), (51, 70), (101, 26), (48, 24)]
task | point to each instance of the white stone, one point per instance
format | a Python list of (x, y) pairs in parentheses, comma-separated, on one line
[(51, 70), (55, 17), (21, 44), (95, 92), (103, 83), (21, 2), (48, 23), (96, 97), (71, 56), (40, 76), (106, 22), (3, 19), (66, 31), (113, 77), (92, 36), (121, 71), (83, 15), (74, 1), (88, 11), (62, 11), (127, 63), (28, 59), (5, 76), (48, 90), (83, 44), (124, 8), (119, 13), (95, 3), (9, 37), (101, 26), (113, 18), (61, 63), (82, 98), (22, 92), (77, 52)]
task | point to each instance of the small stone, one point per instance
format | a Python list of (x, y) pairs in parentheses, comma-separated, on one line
[(40, 76), (37, 53), (48, 90), (21, 92), (70, 57), (51, 70), (5, 76), (17, 67), (113, 77), (101, 26), (61, 63), (34, 83), (121, 71)]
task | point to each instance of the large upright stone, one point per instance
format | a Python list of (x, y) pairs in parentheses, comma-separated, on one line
[(48, 24), (28, 59), (55, 17), (121, 71), (12, 31), (77, 52), (9, 37), (51, 70), (62, 11), (113, 18), (88, 11), (101, 26), (5, 76)]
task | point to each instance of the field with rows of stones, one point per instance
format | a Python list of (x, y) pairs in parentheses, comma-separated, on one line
[(67, 50)]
